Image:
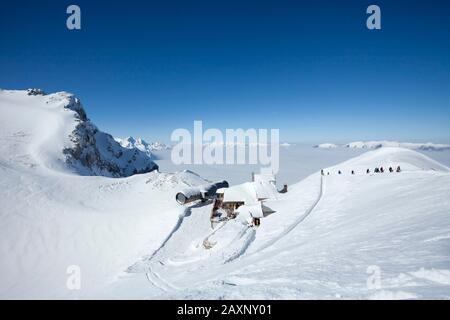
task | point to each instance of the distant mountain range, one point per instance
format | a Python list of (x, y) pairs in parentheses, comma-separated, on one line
[(142, 145), (379, 144)]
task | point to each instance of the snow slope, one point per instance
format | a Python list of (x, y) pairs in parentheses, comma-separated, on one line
[(325, 241), (386, 157), (51, 218)]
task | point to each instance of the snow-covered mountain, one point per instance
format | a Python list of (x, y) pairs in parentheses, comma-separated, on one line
[(379, 144), (62, 137), (329, 237), (408, 145), (142, 145), (326, 146), (158, 146)]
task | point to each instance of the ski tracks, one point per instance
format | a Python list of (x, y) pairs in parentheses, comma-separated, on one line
[(152, 276), (156, 280), (249, 236), (298, 221)]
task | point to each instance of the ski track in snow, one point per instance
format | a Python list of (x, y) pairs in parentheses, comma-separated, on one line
[(248, 241), (206, 239), (186, 212), (153, 282), (297, 222), (155, 279)]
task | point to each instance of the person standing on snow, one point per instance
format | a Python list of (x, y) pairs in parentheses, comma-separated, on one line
[(398, 169), (368, 171)]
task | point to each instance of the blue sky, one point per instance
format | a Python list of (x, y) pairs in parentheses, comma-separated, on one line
[(310, 68)]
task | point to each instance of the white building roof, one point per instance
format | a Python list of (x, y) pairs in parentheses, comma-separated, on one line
[(250, 192), (241, 193), (265, 190), (263, 187)]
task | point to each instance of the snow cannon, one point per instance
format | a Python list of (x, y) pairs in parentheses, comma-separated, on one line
[(204, 192)]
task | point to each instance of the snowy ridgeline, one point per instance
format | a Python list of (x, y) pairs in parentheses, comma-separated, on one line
[(379, 144), (142, 145), (64, 138)]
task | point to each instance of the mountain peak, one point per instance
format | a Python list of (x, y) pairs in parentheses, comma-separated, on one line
[(60, 136), (35, 92)]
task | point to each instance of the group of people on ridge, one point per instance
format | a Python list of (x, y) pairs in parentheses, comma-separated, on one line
[(376, 170)]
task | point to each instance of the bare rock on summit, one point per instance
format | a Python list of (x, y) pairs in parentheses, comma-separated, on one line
[(97, 153)]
